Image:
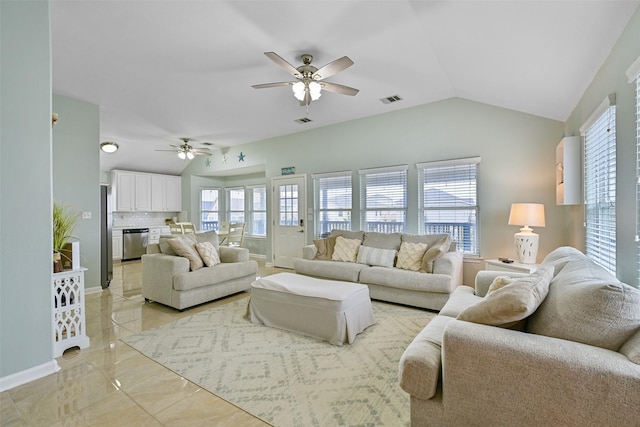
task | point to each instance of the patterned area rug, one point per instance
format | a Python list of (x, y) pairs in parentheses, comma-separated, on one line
[(288, 379)]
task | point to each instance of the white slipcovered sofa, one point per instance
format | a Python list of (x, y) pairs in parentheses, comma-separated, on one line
[(575, 361), (175, 281), (375, 265)]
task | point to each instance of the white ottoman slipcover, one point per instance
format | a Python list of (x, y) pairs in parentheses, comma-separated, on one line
[(326, 309)]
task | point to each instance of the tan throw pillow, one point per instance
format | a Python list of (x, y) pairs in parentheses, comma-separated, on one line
[(434, 252), (208, 253), (500, 282), (186, 248), (164, 242), (410, 256), (511, 303), (325, 248), (346, 250)]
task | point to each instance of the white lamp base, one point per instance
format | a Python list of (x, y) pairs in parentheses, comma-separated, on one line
[(526, 246)]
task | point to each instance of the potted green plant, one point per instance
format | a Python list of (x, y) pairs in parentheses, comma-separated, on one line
[(65, 220)]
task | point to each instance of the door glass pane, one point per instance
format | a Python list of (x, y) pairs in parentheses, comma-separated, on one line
[(289, 205)]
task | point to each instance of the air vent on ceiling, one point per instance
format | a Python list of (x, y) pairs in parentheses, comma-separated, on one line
[(207, 143), (391, 99), (303, 120)]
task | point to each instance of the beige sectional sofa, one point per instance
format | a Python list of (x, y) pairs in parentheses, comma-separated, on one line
[(175, 281), (379, 268), (574, 362)]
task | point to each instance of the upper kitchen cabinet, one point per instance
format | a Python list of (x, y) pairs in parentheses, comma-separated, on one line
[(145, 192), (166, 193)]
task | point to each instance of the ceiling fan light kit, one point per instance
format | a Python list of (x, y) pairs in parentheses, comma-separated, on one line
[(187, 151), (308, 87), (109, 147)]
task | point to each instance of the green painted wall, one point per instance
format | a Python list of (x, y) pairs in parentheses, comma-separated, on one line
[(26, 262), (76, 175), (517, 150), (612, 79)]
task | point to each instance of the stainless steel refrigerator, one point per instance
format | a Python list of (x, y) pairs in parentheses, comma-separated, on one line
[(106, 222)]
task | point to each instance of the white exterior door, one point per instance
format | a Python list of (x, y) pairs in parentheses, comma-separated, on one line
[(289, 223)]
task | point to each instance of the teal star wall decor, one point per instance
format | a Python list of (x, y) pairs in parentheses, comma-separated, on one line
[(208, 163), (241, 157)]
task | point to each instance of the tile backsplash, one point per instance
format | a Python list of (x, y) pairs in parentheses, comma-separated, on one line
[(143, 219)]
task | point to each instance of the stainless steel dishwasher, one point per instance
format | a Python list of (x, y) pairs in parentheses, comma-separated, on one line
[(134, 243)]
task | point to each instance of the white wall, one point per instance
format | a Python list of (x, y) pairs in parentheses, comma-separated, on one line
[(612, 79), (26, 255), (517, 150)]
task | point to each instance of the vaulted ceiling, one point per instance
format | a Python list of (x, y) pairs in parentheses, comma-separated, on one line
[(162, 70)]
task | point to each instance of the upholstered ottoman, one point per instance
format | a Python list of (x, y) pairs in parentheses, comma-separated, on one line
[(325, 309)]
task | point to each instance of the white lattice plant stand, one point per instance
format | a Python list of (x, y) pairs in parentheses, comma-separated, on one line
[(69, 326)]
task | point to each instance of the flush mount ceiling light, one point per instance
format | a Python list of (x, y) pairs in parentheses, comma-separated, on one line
[(109, 147)]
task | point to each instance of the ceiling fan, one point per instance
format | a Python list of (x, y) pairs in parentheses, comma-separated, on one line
[(186, 151), (310, 79)]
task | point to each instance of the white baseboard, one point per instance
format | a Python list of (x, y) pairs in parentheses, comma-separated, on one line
[(28, 375), (93, 290), (257, 257)]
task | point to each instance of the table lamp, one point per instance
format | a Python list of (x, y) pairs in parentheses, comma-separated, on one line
[(527, 214)]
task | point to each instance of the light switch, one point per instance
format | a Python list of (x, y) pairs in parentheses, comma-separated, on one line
[(86, 215)]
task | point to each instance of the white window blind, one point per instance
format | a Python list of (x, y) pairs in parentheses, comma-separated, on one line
[(634, 74), (257, 225), (235, 204), (209, 209), (383, 199), (332, 202), (600, 185), (448, 201)]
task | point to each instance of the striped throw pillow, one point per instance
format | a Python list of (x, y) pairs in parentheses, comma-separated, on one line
[(376, 256)]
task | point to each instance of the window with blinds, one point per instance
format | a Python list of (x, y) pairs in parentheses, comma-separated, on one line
[(383, 199), (257, 224), (332, 195), (600, 184), (209, 209), (448, 201), (235, 204), (633, 73)]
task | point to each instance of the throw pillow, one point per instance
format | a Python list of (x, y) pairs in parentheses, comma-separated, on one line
[(376, 256), (208, 253), (184, 247), (435, 251), (500, 282), (346, 250), (410, 256), (164, 242), (208, 236), (511, 303), (325, 248)]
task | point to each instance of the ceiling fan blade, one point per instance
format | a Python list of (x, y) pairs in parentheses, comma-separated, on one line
[(266, 85), (332, 68), (173, 151), (342, 89), (201, 153), (283, 64)]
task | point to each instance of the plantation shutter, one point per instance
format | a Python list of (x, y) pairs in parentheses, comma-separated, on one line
[(633, 73), (383, 199), (448, 201), (600, 184), (332, 201)]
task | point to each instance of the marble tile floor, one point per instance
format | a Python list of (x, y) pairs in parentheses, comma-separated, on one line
[(111, 384)]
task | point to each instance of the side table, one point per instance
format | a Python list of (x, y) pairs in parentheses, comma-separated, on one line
[(514, 267), (67, 299)]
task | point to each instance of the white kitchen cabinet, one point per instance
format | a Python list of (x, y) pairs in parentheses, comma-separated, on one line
[(174, 194), (116, 245), (143, 192), (569, 171), (123, 191), (166, 193)]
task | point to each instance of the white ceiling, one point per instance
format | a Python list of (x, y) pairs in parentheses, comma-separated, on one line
[(161, 70)]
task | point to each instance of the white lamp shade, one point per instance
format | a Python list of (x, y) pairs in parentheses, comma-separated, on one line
[(190, 155), (527, 214), (298, 91), (182, 155)]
